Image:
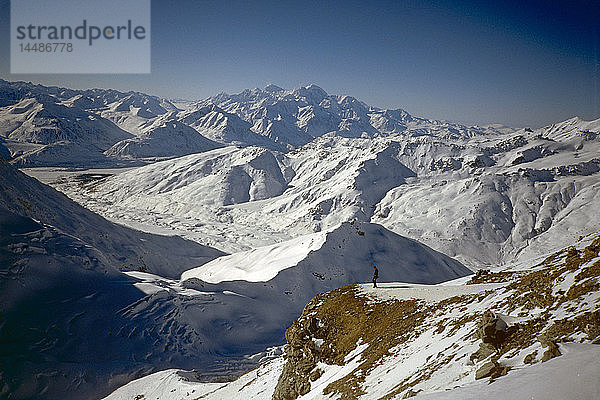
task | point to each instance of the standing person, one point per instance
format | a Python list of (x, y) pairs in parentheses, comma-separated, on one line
[(375, 275)]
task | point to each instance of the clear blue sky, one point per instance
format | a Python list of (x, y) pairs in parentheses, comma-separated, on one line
[(522, 63)]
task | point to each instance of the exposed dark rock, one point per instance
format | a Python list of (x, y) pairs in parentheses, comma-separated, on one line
[(530, 358), (411, 393), (485, 350), (551, 348), (493, 369), (302, 356), (486, 370), (315, 374), (491, 329)]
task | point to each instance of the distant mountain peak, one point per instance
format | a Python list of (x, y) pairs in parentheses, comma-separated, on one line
[(271, 88), (312, 88), (312, 93)]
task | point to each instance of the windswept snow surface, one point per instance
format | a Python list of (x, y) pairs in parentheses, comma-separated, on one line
[(344, 254), (237, 317), (572, 376), (432, 293), (215, 327), (258, 265)]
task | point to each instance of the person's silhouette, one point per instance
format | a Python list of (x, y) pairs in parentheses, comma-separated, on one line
[(375, 275)]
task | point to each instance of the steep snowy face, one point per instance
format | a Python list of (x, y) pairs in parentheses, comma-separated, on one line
[(338, 179), (327, 256)]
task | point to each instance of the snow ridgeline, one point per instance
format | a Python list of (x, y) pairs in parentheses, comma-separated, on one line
[(50, 126), (519, 332)]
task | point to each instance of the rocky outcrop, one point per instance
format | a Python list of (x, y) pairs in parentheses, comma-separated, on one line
[(551, 349), (371, 335), (493, 331), (493, 369), (302, 355)]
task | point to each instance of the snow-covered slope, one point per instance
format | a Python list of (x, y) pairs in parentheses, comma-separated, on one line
[(61, 291), (165, 137), (325, 254), (125, 248), (209, 326), (223, 127), (525, 331)]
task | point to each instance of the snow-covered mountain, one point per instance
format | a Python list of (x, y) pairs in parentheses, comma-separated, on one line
[(295, 117), (307, 191), (42, 132), (50, 126), (486, 199), (164, 137)]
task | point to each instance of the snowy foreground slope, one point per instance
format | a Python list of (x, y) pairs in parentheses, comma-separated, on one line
[(524, 331)]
